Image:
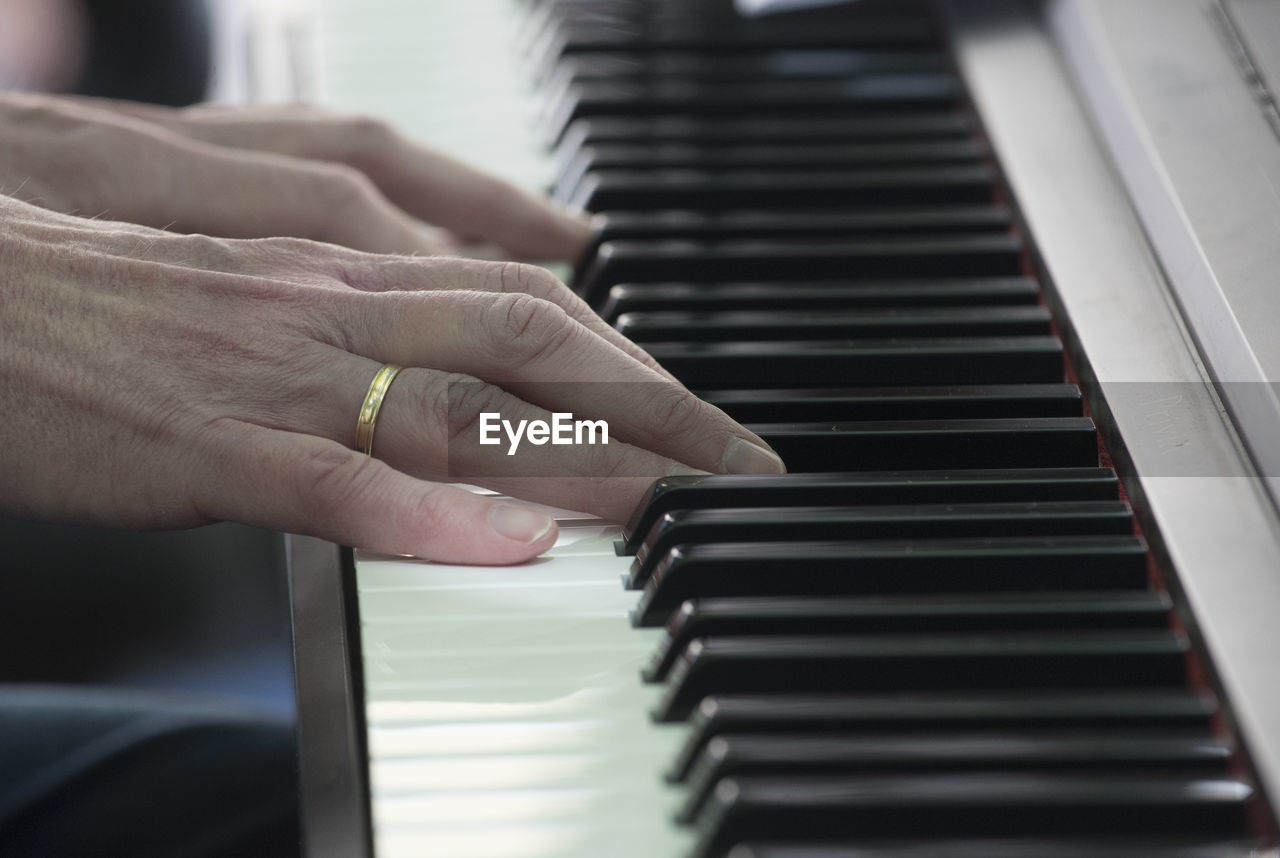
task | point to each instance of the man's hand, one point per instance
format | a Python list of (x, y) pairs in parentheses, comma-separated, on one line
[(256, 173), (152, 379)]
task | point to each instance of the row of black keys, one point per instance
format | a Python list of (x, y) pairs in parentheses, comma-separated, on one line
[(965, 659), (1001, 669)]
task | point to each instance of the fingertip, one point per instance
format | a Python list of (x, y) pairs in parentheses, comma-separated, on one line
[(522, 525)]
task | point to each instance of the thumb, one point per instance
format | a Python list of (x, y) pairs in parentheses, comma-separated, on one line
[(304, 484)]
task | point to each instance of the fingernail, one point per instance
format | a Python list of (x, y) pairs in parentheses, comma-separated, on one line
[(519, 523), (744, 457)]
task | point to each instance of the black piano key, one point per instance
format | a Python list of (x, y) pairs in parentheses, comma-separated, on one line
[(938, 521), (792, 64), (895, 92), (797, 325), (813, 664), (703, 226), (755, 128), (815, 808), (735, 755), (736, 35), (746, 189), (712, 617), (958, 486), (1032, 442), (778, 158), (833, 295), (787, 156), (915, 361), (898, 403), (891, 566), (1153, 710), (1008, 847)]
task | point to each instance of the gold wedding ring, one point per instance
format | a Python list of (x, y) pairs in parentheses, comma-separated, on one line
[(372, 405)]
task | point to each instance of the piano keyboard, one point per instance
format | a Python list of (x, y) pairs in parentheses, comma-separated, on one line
[(939, 635)]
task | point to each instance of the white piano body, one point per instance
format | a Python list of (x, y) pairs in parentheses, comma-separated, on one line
[(500, 711)]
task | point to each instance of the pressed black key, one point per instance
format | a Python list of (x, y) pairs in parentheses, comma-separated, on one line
[(958, 486), (816, 808), (898, 403), (755, 128), (699, 618), (1153, 710), (891, 566), (734, 755), (1033, 442), (702, 226), (798, 325), (888, 91), (914, 361), (1008, 847), (832, 295), (746, 189), (938, 521), (811, 664)]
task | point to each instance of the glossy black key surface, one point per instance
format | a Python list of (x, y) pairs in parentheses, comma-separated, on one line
[(712, 617), (939, 521), (815, 808), (874, 93), (784, 64), (1008, 847), (971, 486), (734, 755), (1008, 660), (796, 325), (891, 566), (755, 128), (702, 226), (736, 35), (1154, 710), (834, 295), (873, 445), (898, 403), (914, 361), (746, 189), (776, 156)]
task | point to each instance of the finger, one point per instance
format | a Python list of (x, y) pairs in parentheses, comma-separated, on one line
[(433, 424), (534, 349), (147, 175), (424, 183), (302, 484), (258, 195), (381, 273)]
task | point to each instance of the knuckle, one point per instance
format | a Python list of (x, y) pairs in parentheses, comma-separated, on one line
[(675, 415), (518, 277), (334, 481), (344, 189), (524, 328), (368, 138), (454, 405)]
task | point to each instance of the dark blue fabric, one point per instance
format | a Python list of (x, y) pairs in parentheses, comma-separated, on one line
[(98, 772)]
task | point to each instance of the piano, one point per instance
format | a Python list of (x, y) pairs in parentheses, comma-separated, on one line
[(998, 280)]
